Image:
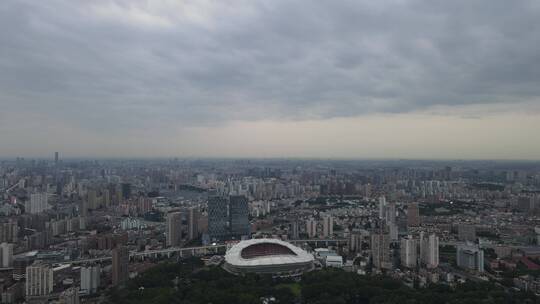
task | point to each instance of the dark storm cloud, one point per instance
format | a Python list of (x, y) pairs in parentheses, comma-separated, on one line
[(116, 64)]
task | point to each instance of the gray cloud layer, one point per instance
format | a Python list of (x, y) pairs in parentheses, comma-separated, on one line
[(99, 65)]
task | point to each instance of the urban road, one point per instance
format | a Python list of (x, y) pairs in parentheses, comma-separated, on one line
[(198, 250)]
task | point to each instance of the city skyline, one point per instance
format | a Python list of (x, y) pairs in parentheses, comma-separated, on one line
[(114, 228), (358, 79)]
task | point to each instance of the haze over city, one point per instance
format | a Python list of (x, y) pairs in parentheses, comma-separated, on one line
[(344, 79)]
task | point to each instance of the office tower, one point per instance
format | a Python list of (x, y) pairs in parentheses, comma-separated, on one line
[(393, 231), (126, 190), (39, 280), (56, 157), (429, 250), (311, 228), (239, 216), (144, 205), (92, 199), (6, 255), (467, 232), (432, 256), (218, 217), (413, 215), (228, 217), (82, 223), (106, 198), (382, 207), (408, 250), (9, 231), (391, 213), (90, 279), (294, 231), (193, 223), (328, 226), (38, 203), (83, 207), (202, 224), (380, 251), (470, 257), (69, 296), (120, 263), (174, 229), (355, 241)]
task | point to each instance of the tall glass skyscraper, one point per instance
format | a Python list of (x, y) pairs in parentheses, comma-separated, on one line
[(228, 217), (238, 213), (218, 217)]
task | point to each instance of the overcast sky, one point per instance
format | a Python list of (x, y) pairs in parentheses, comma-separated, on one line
[(279, 78)]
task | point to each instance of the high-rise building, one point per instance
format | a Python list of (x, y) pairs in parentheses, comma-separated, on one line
[(83, 208), (228, 217), (467, 232), (120, 264), (391, 213), (328, 226), (38, 203), (6, 255), (470, 257), (294, 231), (432, 259), (39, 280), (393, 230), (92, 199), (56, 157), (9, 231), (355, 241), (413, 215), (174, 229), (380, 251), (126, 190), (193, 215), (311, 228), (106, 198), (382, 207), (408, 250), (429, 250), (218, 217), (239, 216), (90, 279)]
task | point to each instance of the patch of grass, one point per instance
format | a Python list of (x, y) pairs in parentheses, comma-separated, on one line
[(293, 287)]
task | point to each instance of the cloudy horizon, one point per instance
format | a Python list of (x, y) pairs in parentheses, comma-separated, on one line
[(341, 79)]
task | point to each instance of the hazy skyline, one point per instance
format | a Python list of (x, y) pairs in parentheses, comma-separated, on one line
[(345, 79)]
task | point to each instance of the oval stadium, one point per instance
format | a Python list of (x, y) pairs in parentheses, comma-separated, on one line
[(268, 256)]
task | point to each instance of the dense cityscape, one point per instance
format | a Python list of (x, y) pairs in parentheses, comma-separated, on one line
[(74, 231), (269, 152)]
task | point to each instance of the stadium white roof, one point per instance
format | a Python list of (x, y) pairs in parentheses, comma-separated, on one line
[(234, 257)]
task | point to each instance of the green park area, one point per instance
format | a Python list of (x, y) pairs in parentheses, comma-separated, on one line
[(191, 282)]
